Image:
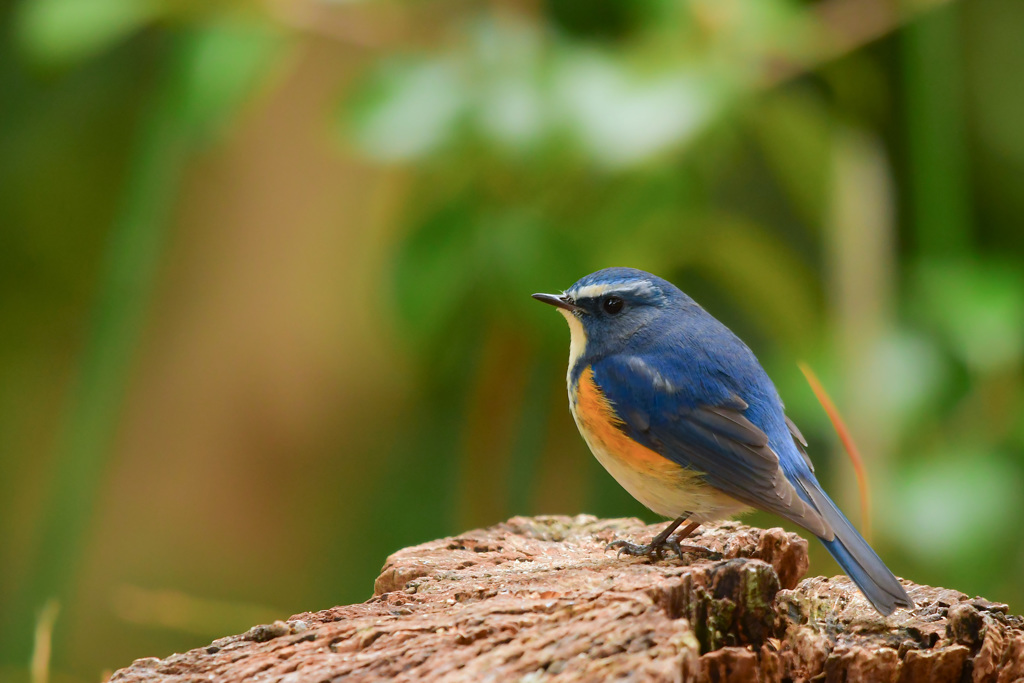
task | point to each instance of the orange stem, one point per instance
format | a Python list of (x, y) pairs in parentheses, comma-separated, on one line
[(848, 444)]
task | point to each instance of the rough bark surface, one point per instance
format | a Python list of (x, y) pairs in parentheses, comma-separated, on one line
[(539, 599)]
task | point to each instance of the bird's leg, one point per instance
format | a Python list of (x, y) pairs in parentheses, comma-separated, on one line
[(656, 548)]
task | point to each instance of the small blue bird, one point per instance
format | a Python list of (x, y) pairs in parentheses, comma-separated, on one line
[(681, 413)]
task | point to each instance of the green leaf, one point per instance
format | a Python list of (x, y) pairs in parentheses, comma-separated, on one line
[(621, 117), (407, 109), (433, 271), (948, 509), (63, 31), (979, 307), (224, 63)]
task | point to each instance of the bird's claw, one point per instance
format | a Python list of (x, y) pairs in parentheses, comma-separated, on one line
[(655, 551), (713, 555), (652, 551)]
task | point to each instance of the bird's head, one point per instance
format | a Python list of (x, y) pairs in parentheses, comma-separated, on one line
[(608, 308)]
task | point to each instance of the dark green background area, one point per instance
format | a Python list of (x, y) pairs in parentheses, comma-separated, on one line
[(265, 272)]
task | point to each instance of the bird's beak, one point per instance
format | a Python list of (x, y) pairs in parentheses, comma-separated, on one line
[(558, 300)]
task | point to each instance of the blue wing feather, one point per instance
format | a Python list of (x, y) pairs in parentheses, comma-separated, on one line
[(714, 437)]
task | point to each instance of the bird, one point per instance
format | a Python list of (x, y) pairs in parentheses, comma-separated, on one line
[(680, 412)]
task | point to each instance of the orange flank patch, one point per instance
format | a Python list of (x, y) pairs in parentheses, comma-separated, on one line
[(659, 483), (601, 429)]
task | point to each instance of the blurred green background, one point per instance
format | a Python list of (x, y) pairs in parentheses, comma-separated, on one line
[(265, 271)]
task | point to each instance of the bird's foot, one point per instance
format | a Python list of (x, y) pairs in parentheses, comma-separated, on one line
[(655, 550)]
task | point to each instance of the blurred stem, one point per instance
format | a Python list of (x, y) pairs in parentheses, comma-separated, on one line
[(862, 262), (934, 84), (39, 671), (127, 278), (489, 429)]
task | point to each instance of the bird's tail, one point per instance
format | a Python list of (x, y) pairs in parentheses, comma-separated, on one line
[(859, 561)]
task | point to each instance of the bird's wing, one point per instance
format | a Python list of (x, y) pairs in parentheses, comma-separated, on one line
[(712, 437), (800, 441)]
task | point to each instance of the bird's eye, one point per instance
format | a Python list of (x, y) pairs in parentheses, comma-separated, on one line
[(612, 305)]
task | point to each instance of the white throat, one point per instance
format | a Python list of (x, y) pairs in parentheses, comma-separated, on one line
[(577, 339)]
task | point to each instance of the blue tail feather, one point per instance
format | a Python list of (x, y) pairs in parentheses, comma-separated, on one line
[(860, 562)]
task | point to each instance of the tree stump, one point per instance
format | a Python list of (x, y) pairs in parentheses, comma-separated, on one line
[(539, 599)]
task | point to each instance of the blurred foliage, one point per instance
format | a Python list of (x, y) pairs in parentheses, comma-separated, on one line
[(833, 198)]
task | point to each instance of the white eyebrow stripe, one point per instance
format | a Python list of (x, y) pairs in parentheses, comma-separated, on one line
[(589, 291), (643, 287)]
